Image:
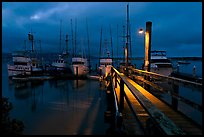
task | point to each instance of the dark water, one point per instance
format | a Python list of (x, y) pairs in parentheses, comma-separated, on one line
[(70, 107), (62, 107)]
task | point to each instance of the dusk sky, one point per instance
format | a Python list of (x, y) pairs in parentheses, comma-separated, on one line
[(176, 26)]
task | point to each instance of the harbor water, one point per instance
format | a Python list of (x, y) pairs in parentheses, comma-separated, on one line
[(74, 106)]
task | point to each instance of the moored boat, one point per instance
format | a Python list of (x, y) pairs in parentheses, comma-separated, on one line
[(160, 63), (80, 66), (25, 63)]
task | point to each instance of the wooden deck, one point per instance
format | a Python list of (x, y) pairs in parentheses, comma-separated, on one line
[(142, 106)]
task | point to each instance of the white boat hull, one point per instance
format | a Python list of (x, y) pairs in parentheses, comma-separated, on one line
[(80, 70), (105, 70), (22, 70), (162, 71)]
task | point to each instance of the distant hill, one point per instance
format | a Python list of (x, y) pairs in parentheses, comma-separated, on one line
[(120, 58)]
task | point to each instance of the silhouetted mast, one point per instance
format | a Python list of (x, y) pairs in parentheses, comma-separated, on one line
[(60, 35), (124, 41), (72, 33), (130, 45), (100, 45), (129, 34), (66, 40), (111, 41), (40, 45), (127, 37), (117, 41), (88, 43), (31, 38), (25, 45), (75, 36)]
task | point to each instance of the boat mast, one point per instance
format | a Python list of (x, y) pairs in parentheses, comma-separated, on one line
[(100, 45), (88, 44), (31, 38), (111, 42), (75, 36), (117, 45), (124, 42), (25, 45), (127, 37), (72, 33), (66, 40), (130, 42), (40, 45), (60, 36)]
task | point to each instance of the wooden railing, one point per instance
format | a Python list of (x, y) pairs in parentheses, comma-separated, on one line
[(130, 91)]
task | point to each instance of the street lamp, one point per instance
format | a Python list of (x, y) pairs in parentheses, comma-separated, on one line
[(141, 31)]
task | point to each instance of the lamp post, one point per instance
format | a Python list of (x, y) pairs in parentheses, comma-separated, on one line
[(141, 31), (147, 47)]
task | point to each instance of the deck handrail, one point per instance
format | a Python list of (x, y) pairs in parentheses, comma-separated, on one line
[(167, 78), (155, 114)]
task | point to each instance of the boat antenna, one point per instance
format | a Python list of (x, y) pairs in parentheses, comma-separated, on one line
[(111, 42), (124, 42), (25, 45), (127, 36), (40, 45), (130, 45), (60, 36), (117, 45), (100, 43), (30, 38), (72, 33), (66, 40), (88, 44), (75, 36)]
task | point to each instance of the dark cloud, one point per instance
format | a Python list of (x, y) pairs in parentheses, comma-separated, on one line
[(176, 26)]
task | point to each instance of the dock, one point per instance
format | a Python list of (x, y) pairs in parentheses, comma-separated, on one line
[(142, 112)]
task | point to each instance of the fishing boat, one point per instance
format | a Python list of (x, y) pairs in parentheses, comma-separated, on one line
[(160, 63), (105, 62), (105, 65), (61, 65), (80, 66), (25, 62)]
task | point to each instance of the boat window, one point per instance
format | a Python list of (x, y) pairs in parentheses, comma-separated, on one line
[(20, 63), (77, 63), (164, 65)]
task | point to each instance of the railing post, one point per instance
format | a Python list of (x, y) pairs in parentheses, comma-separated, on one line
[(174, 101), (77, 72), (115, 80), (112, 71), (121, 95)]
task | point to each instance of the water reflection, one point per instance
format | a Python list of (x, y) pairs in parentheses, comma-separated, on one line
[(78, 83), (21, 90)]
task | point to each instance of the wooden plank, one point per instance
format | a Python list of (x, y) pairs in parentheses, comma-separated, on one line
[(157, 109), (145, 100)]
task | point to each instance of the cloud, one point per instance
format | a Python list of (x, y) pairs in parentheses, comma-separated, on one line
[(35, 17), (173, 23)]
